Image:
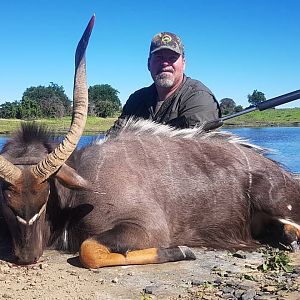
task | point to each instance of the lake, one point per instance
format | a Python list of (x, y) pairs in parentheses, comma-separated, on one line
[(284, 142)]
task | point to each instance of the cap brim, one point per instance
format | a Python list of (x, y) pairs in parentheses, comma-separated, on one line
[(165, 47)]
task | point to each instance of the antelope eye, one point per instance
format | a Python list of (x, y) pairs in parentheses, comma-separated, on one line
[(7, 194), (8, 197)]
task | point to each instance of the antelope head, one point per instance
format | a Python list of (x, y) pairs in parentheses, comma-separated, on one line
[(25, 190)]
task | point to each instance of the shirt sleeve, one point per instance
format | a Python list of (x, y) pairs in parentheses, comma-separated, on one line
[(198, 108)]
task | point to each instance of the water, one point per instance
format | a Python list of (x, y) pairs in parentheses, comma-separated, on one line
[(284, 141), (84, 140)]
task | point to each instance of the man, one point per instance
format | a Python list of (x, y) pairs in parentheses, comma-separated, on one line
[(173, 98)]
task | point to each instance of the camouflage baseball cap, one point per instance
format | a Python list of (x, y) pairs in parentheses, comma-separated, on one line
[(166, 40)]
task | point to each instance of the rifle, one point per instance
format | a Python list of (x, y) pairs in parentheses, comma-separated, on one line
[(259, 106)]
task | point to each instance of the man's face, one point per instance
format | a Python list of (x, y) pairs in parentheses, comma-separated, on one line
[(166, 68)]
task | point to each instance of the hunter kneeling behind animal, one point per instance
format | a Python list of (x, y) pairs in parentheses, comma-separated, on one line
[(173, 99), (122, 201)]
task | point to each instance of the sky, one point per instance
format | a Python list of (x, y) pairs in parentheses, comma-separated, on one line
[(233, 46)]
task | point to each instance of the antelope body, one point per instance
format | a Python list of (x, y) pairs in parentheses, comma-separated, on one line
[(136, 197), (143, 195)]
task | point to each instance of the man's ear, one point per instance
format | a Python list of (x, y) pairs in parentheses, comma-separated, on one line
[(68, 177), (149, 63)]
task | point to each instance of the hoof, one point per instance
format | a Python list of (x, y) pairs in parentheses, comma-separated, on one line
[(295, 246), (187, 253)]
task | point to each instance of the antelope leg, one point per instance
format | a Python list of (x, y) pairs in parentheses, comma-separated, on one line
[(93, 254)]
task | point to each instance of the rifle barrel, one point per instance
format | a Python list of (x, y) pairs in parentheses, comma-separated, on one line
[(279, 100), (267, 104), (242, 112)]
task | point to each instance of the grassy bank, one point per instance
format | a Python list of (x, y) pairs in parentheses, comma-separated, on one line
[(93, 124), (271, 117)]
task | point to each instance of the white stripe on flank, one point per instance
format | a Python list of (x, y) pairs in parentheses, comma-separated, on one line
[(65, 239)]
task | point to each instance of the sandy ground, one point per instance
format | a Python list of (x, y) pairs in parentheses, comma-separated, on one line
[(214, 275)]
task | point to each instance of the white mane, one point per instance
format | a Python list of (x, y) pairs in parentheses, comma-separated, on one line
[(140, 127)]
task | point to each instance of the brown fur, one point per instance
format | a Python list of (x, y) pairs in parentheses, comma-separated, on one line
[(154, 187)]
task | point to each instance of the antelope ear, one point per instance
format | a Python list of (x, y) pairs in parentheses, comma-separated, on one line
[(69, 178)]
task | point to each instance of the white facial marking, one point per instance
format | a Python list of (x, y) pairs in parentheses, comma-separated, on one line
[(289, 207), (21, 220), (34, 218)]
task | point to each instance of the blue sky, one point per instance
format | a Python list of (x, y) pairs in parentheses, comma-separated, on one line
[(233, 47)]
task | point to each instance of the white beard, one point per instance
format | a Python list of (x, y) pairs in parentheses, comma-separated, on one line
[(164, 80)]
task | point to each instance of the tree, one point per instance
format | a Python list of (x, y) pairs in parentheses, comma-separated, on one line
[(54, 108), (103, 101), (256, 97), (10, 110), (238, 108), (106, 109), (227, 106), (29, 109), (52, 100)]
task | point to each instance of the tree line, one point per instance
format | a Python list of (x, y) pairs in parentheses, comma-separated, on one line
[(52, 102), (228, 105)]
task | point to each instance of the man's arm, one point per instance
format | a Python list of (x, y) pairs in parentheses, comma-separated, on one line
[(200, 107)]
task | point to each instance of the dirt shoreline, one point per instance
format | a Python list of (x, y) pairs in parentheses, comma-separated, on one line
[(213, 275)]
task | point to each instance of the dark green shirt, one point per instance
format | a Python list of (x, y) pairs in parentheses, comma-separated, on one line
[(192, 104)]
